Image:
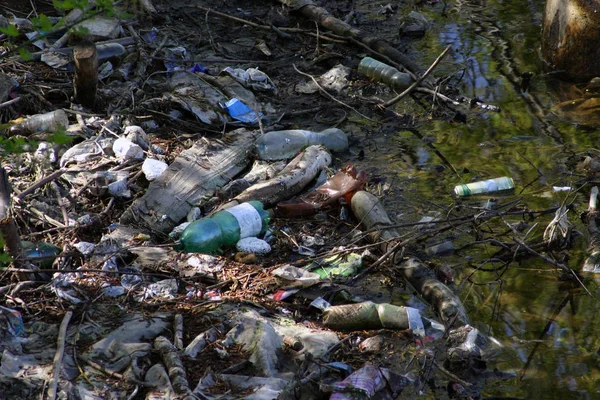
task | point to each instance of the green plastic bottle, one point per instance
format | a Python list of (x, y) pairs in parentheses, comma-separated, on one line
[(225, 228)]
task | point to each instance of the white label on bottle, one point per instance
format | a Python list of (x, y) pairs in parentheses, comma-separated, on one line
[(415, 322), (248, 219)]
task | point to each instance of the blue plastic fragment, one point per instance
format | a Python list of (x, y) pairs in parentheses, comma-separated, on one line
[(241, 112), (198, 68)]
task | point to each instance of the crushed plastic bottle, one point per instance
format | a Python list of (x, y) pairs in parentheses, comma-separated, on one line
[(384, 73), (279, 145), (488, 186), (225, 228), (342, 185)]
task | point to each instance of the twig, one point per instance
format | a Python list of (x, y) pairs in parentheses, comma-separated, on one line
[(418, 81), (451, 375), (55, 175), (9, 102), (435, 93), (60, 203), (384, 257), (548, 259), (530, 163), (265, 27), (329, 95), (60, 351), (173, 362), (178, 334)]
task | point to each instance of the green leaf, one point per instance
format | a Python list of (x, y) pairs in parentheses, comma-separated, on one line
[(25, 55), (79, 31), (60, 138), (16, 145), (42, 23), (70, 4), (10, 30)]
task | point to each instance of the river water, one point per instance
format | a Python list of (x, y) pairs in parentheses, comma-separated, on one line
[(550, 339)]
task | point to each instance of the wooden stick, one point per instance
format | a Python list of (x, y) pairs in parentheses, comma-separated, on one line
[(9, 231), (418, 81), (326, 93), (178, 328), (60, 351), (41, 182), (85, 81), (172, 361)]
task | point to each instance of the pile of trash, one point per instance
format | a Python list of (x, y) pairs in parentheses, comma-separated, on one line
[(169, 237)]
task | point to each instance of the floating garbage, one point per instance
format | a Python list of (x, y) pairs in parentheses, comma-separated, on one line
[(384, 73), (342, 185), (488, 186), (338, 265)]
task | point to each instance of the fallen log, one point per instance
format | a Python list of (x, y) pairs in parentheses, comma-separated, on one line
[(320, 15)]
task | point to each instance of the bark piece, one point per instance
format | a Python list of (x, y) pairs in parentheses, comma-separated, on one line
[(193, 177)]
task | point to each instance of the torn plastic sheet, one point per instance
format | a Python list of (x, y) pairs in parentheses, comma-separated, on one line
[(264, 388), (370, 381), (251, 77), (12, 323), (131, 340)]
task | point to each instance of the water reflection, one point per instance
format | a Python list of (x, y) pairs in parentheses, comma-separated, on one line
[(495, 57)]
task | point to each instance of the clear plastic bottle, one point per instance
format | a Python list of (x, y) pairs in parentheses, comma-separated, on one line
[(225, 228), (48, 122), (384, 73), (490, 185), (279, 145)]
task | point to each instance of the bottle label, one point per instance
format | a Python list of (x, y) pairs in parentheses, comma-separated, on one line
[(248, 219)]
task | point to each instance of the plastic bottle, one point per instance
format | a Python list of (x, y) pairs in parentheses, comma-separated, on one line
[(384, 73), (225, 228), (279, 145), (368, 315), (343, 184), (490, 185), (49, 122)]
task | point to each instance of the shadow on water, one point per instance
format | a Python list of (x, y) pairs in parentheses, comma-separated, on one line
[(548, 329)]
